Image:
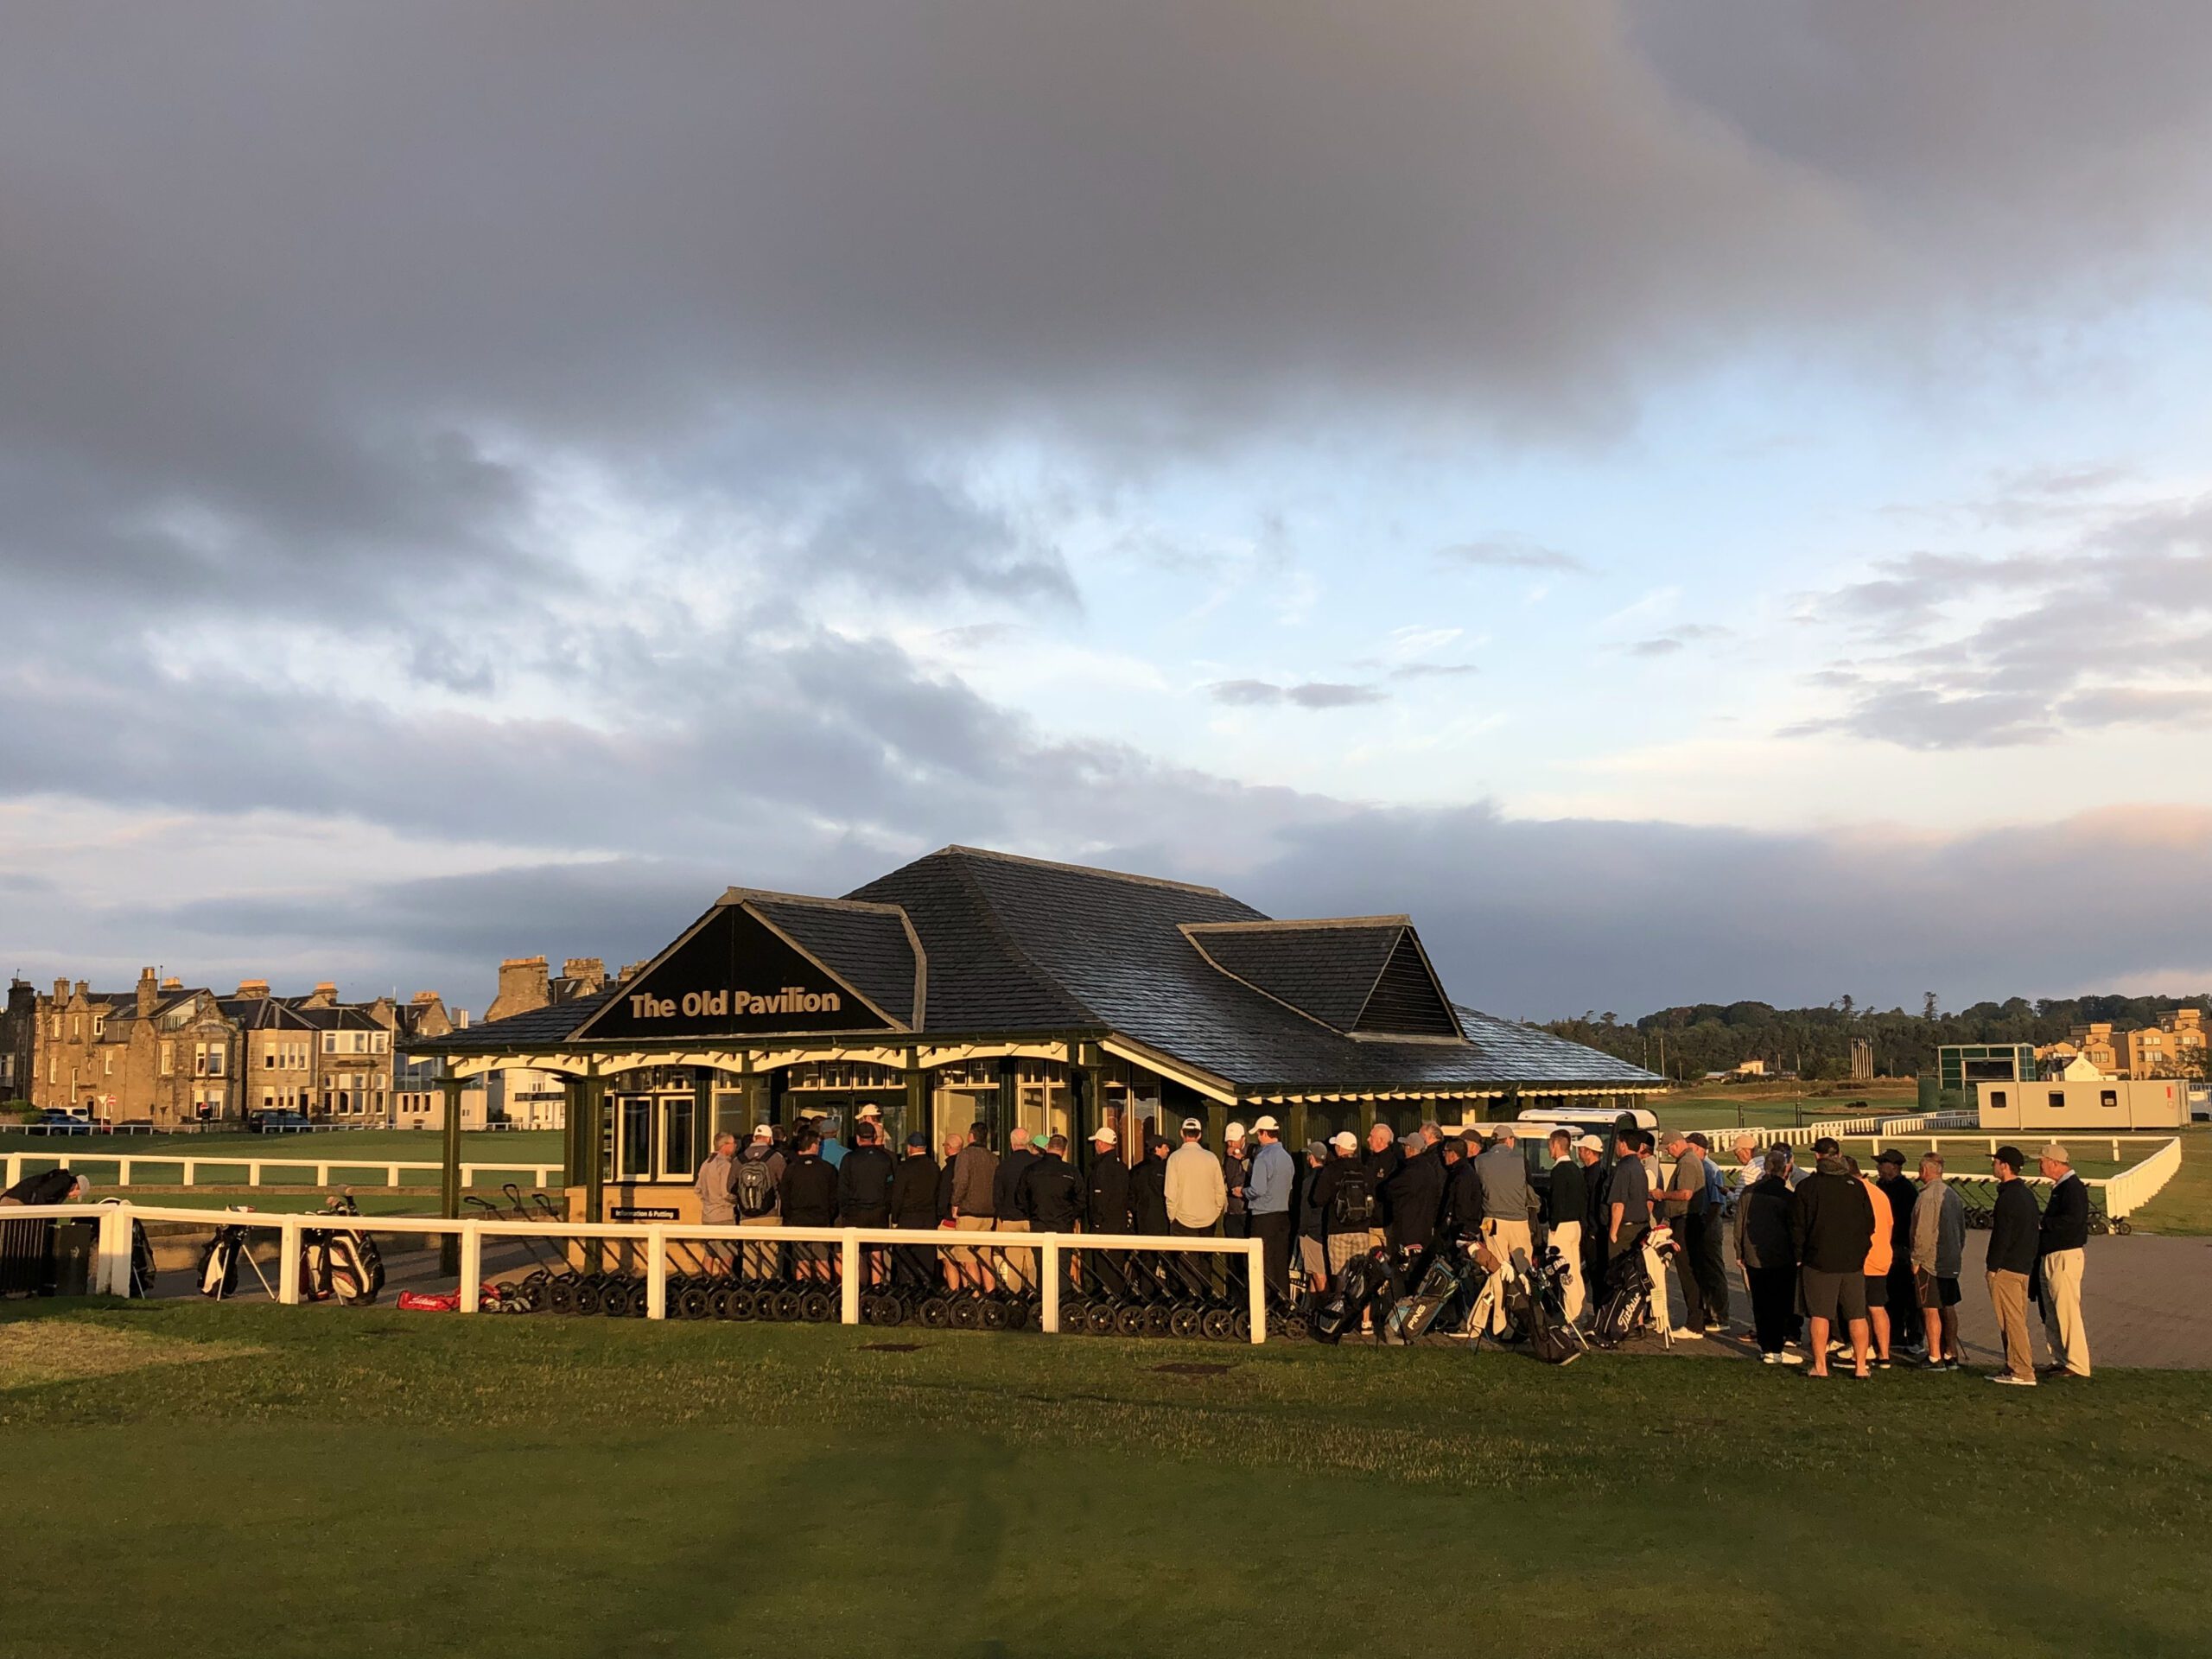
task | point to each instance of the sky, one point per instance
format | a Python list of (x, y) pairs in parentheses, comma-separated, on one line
[(1691, 502)]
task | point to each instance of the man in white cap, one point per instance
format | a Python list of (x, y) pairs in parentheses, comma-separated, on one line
[(1267, 1193), (1590, 1153), (1566, 1203), (1346, 1193), (1198, 1193), (2061, 1246), (1237, 1169)]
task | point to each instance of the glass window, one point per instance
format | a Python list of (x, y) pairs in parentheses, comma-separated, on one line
[(2057, 1099), (633, 1138), (676, 1124), (2108, 1096)]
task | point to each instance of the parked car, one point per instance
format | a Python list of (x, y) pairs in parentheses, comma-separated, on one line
[(55, 1121), (278, 1122)]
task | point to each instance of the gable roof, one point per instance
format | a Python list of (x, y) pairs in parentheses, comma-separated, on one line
[(968, 942)]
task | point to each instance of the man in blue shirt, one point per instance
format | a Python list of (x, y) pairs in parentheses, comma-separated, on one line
[(1267, 1192)]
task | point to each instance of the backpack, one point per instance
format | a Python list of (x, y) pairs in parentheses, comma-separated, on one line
[(1354, 1203), (754, 1189)]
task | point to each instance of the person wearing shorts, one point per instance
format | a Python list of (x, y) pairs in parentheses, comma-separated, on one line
[(1834, 1224), (1937, 1246)]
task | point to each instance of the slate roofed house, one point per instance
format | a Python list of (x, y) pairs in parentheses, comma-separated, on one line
[(975, 985)]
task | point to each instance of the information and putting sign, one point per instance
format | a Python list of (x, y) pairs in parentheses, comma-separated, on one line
[(734, 975)]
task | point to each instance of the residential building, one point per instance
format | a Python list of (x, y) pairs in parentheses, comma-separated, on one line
[(2172, 1048)]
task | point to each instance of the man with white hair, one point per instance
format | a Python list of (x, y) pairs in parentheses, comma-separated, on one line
[(1382, 1160), (1198, 1193), (1236, 1169), (2062, 1243), (47, 1186)]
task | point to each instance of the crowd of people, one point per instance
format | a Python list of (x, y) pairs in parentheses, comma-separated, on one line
[(1839, 1265)]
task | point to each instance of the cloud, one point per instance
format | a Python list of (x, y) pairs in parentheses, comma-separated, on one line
[(1514, 556), (1671, 640), (1433, 670), (1309, 693), (2113, 626)]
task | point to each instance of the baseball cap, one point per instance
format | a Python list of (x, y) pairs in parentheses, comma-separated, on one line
[(2012, 1155), (871, 1110), (1236, 1132), (2056, 1153), (921, 1141), (1104, 1136), (1891, 1155), (763, 1132), (1316, 1149), (1266, 1122), (1590, 1143), (1345, 1139), (1191, 1126)]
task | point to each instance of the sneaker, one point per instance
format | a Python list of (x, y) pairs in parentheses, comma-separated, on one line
[(1786, 1358), (1881, 1365), (1770, 1359), (1685, 1334), (2012, 1381)]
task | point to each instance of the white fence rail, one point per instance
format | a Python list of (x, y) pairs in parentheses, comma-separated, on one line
[(1920, 1123), (193, 1165), (2124, 1193), (112, 1269)]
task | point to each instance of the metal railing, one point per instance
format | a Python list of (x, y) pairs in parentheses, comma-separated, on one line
[(111, 1268), (542, 1174)]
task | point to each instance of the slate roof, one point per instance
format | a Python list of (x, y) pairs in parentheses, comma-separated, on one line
[(1012, 944), (866, 945), (1326, 969)]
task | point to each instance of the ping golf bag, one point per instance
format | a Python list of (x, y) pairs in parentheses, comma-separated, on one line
[(1440, 1285), (1626, 1311)]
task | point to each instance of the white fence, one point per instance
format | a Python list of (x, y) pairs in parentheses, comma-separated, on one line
[(541, 1174), (2124, 1193), (1919, 1124), (111, 1270)]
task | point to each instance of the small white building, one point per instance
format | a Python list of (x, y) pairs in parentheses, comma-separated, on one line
[(2097, 1106)]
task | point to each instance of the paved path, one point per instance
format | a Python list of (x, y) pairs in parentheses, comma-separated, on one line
[(2147, 1301)]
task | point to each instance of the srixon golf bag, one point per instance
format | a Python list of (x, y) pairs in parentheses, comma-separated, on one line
[(1362, 1282)]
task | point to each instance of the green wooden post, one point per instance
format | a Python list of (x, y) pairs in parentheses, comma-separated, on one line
[(449, 1246)]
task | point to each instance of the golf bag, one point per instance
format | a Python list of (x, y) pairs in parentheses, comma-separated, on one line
[(1411, 1315), (219, 1263), (1355, 1287), (345, 1266), (1626, 1311), (1535, 1307)]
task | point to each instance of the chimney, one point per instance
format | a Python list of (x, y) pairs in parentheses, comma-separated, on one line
[(255, 990), (171, 983), (589, 974), (324, 996), (630, 973), (524, 985), (60, 990), (150, 990)]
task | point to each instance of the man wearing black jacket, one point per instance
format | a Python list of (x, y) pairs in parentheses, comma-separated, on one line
[(1905, 1328), (810, 1199), (1106, 1209), (2010, 1262), (1052, 1195), (1462, 1192), (913, 1204), (1383, 1160), (1414, 1195), (1833, 1228), (1566, 1203), (1148, 1190), (864, 1194), (2061, 1247), (1017, 1268)]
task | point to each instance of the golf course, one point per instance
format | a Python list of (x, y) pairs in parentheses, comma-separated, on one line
[(246, 1479)]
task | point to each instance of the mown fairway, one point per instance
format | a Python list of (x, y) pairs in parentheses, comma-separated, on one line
[(383, 1483)]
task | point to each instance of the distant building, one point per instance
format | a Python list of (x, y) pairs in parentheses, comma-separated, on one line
[(165, 1054), (1960, 1066), (2174, 1047), (18, 1040), (522, 1098), (2103, 1105)]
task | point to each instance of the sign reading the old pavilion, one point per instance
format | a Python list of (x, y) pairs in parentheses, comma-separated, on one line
[(733, 975)]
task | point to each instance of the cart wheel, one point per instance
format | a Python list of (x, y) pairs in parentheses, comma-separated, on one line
[(583, 1300), (1128, 1321), (1297, 1328), (1240, 1325), (1073, 1311), (743, 1304), (895, 1311), (535, 1295), (1098, 1319), (1157, 1320), (1184, 1321), (967, 1315), (935, 1314), (996, 1314), (1216, 1325), (697, 1302), (633, 1302), (815, 1306), (560, 1295), (2123, 1225), (1274, 1322), (788, 1305), (1021, 1313)]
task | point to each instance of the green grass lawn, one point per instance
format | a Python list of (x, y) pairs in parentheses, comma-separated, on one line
[(374, 1482)]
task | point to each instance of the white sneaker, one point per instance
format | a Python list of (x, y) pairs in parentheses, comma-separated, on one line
[(1786, 1358), (2013, 1381), (1770, 1359), (1685, 1334)]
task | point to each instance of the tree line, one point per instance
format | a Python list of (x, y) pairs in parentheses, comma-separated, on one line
[(1687, 1042)]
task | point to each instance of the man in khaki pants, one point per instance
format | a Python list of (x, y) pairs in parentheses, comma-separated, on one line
[(2010, 1263), (2062, 1243)]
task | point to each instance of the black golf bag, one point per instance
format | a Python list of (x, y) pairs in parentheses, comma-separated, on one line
[(1355, 1288), (219, 1263), (1626, 1310), (1536, 1308), (344, 1266)]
